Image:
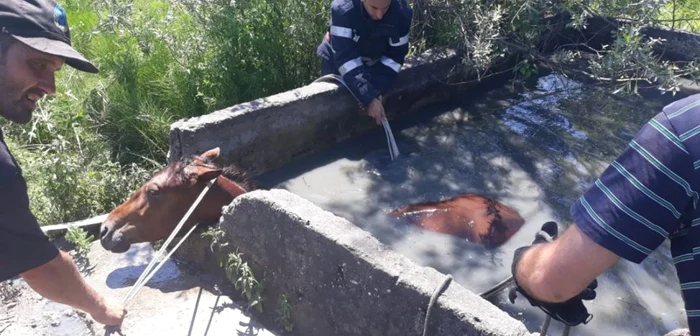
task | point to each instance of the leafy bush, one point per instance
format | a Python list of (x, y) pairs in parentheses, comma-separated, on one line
[(66, 184)]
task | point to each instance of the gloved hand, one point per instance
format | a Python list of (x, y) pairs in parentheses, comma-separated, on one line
[(570, 312)]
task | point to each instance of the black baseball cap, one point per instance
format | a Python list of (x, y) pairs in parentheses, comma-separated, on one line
[(42, 25)]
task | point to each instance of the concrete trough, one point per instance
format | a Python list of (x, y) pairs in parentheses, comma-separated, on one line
[(336, 277)]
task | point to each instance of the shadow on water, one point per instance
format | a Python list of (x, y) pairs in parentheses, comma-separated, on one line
[(535, 148)]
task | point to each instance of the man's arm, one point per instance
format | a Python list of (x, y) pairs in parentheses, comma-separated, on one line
[(25, 250), (627, 213), (558, 271), (59, 280)]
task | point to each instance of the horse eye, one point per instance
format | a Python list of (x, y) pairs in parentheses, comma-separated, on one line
[(153, 192)]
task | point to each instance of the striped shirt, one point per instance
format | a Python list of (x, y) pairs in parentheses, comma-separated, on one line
[(650, 194)]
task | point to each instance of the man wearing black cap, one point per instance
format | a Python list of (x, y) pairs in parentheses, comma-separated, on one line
[(34, 44)]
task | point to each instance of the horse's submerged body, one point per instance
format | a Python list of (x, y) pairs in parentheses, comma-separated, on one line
[(154, 210), (472, 217)]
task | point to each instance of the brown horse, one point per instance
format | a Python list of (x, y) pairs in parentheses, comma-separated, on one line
[(473, 217), (153, 211)]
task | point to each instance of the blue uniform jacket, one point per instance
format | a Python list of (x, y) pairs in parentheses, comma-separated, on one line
[(367, 53)]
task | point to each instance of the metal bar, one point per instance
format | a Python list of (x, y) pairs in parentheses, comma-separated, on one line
[(567, 329), (545, 326), (90, 224), (497, 288)]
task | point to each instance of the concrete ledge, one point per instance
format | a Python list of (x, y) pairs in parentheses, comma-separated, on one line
[(339, 279), (90, 225), (266, 133)]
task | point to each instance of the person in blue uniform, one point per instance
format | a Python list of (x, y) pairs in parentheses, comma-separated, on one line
[(366, 43)]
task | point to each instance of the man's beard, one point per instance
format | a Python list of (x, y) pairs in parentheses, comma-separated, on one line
[(11, 108)]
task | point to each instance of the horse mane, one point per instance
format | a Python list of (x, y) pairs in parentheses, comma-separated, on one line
[(231, 172), (496, 226)]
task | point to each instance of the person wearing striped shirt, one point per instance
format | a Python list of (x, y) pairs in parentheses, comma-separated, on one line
[(366, 43), (648, 194)]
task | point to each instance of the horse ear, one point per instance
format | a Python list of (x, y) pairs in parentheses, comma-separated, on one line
[(211, 154), (202, 173)]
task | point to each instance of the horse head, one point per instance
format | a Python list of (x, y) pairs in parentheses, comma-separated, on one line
[(154, 210)]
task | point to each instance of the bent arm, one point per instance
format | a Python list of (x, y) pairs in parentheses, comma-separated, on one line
[(558, 271), (627, 213), (59, 280)]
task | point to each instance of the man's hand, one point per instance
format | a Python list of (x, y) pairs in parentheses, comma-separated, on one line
[(572, 311), (59, 280), (109, 313), (376, 110)]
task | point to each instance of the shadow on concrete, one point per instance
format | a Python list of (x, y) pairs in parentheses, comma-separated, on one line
[(167, 279)]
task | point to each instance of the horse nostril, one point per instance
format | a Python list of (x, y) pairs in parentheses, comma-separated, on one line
[(104, 232)]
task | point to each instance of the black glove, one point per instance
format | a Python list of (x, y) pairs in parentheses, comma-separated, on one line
[(570, 312)]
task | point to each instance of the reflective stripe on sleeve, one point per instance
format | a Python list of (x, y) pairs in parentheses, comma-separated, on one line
[(391, 63), (401, 42), (341, 31), (350, 65)]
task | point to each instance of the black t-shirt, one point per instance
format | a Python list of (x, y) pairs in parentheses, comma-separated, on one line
[(23, 246)]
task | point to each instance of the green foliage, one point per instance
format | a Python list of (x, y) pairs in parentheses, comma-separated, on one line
[(79, 238), (217, 236), (526, 68), (284, 311), (243, 278), (67, 183), (682, 14), (489, 30), (237, 270)]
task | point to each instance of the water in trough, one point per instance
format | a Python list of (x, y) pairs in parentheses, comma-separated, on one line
[(536, 149)]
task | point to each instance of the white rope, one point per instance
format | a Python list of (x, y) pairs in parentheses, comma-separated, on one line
[(145, 276), (433, 299), (393, 149), (137, 286)]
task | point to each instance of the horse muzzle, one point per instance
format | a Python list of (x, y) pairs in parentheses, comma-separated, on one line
[(113, 240)]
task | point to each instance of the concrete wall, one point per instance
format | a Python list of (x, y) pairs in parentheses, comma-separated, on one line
[(266, 133), (338, 278)]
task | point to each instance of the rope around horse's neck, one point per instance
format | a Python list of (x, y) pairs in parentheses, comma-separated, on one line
[(147, 273)]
